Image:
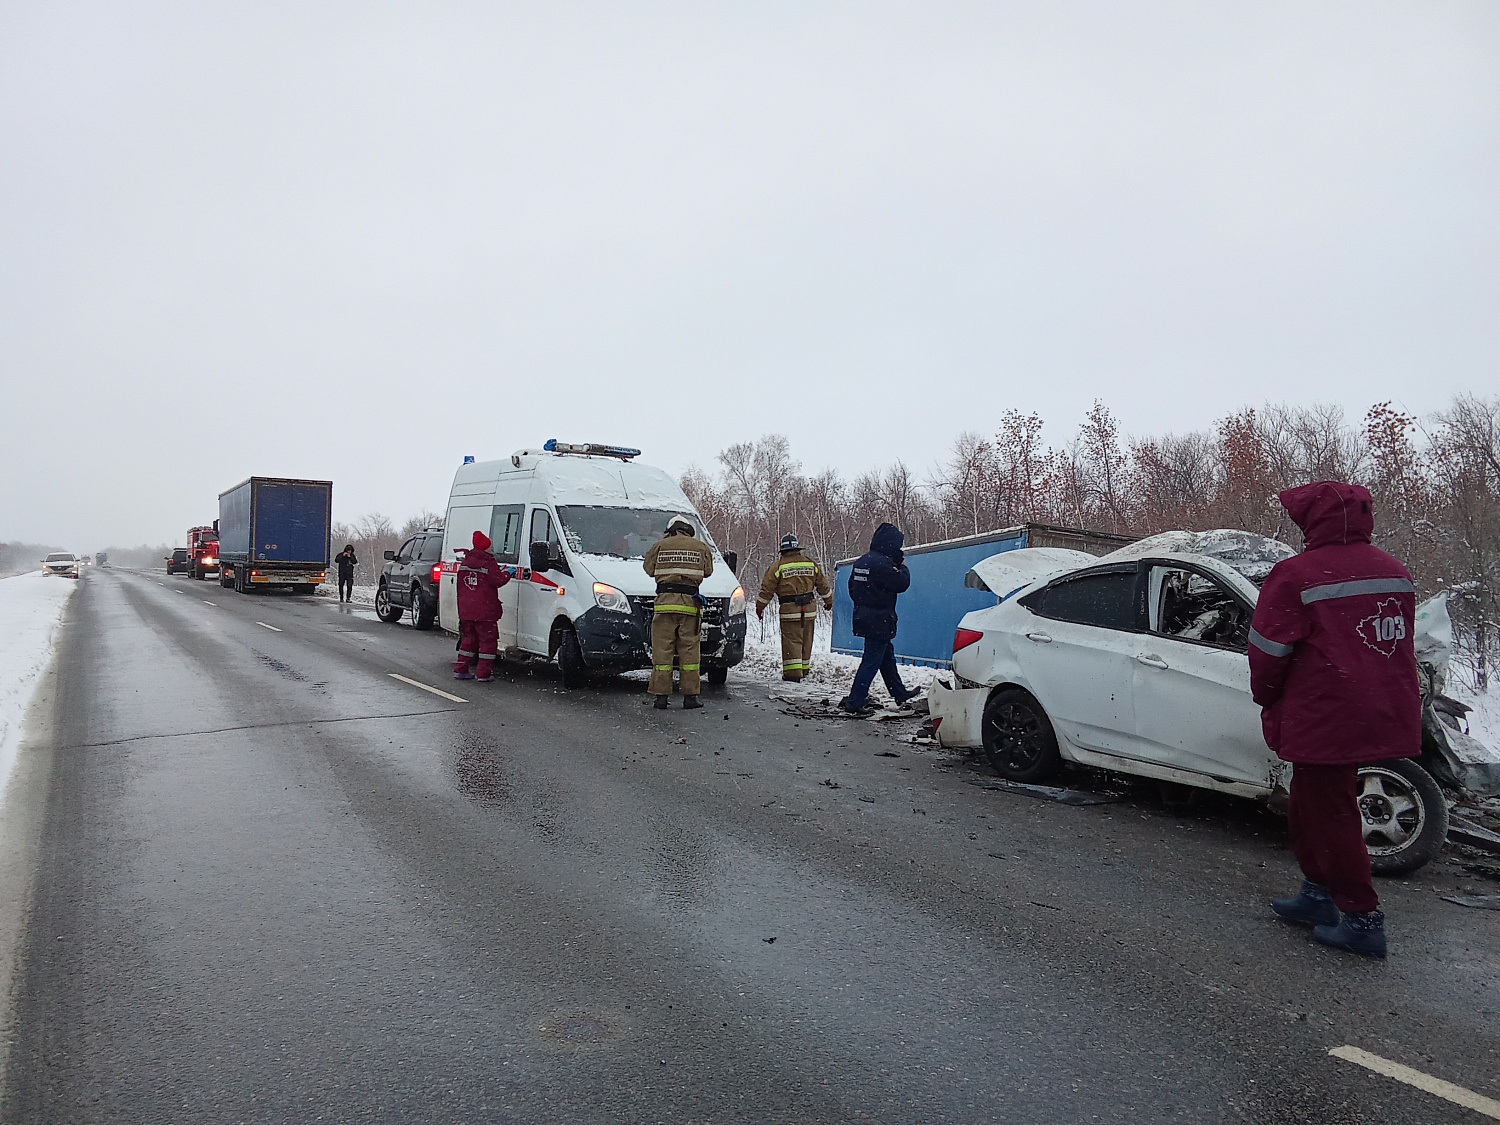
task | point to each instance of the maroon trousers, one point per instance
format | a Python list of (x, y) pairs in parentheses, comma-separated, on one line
[(478, 642), (1326, 829)]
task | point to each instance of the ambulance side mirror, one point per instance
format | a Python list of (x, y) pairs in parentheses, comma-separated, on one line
[(539, 560), (732, 560)]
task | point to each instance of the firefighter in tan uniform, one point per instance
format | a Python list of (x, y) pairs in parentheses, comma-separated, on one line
[(679, 563), (796, 582)]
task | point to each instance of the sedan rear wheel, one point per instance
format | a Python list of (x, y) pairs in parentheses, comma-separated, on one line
[(1403, 815), (1018, 737)]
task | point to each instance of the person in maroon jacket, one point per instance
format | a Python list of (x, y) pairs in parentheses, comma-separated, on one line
[(1334, 671), (479, 580)]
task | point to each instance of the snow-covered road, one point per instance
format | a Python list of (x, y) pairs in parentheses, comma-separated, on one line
[(31, 609)]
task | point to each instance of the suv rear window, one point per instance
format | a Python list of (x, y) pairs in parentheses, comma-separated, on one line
[(432, 548), (1105, 600)]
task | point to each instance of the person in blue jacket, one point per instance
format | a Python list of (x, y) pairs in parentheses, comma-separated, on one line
[(875, 580)]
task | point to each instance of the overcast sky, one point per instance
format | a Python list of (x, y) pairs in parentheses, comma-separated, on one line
[(358, 241)]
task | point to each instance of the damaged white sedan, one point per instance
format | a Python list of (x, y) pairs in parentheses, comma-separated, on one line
[(1136, 662)]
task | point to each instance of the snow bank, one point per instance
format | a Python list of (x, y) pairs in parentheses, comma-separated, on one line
[(31, 609), (1484, 720)]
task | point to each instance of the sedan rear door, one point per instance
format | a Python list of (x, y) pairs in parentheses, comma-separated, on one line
[(1078, 655)]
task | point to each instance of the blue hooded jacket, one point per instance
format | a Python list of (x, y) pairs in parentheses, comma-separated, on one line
[(874, 581)]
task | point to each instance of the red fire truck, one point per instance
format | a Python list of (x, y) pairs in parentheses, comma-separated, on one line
[(203, 551)]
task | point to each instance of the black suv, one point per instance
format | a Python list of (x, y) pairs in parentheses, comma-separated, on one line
[(177, 561), (409, 580)]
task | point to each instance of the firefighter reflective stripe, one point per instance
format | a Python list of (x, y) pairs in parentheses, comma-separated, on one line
[(662, 667), (673, 563), (689, 667), (671, 607), (805, 568), (1268, 646), (1358, 586)]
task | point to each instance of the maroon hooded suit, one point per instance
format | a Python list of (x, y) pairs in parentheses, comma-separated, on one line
[(479, 580), (1334, 671)]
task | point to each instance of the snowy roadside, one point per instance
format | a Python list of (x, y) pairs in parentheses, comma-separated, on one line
[(31, 609), (363, 595)]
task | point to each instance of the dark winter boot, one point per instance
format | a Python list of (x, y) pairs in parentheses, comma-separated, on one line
[(1313, 906), (691, 702), (661, 702), (464, 675), (846, 705), (1358, 933)]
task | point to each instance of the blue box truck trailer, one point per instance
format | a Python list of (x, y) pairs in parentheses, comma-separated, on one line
[(273, 532), (931, 609)]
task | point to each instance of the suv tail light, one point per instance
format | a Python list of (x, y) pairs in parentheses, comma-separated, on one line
[(437, 571), (963, 638)]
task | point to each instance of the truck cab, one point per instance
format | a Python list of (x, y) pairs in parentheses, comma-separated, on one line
[(203, 552)]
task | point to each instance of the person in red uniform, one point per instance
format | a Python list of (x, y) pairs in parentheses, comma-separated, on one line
[(479, 580), (1334, 670)]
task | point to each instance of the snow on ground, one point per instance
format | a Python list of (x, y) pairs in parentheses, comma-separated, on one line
[(363, 595), (831, 674), (1484, 720), (31, 609)]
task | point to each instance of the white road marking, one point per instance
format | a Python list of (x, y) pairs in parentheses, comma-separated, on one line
[(1458, 1095), (207, 602), (263, 625), (426, 687)]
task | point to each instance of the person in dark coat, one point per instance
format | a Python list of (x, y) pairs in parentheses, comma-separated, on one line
[(480, 577), (1334, 670), (346, 564), (875, 580)]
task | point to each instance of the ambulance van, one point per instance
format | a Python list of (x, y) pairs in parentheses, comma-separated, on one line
[(573, 523)]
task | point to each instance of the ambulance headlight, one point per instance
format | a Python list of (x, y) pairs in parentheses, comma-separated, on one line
[(737, 601), (607, 597)]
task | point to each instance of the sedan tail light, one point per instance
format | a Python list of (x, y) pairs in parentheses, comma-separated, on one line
[(963, 638), (437, 571)]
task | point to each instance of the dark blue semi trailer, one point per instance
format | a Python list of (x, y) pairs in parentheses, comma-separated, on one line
[(930, 610), (274, 532)]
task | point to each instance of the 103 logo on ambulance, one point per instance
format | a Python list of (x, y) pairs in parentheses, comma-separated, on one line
[(1385, 628)]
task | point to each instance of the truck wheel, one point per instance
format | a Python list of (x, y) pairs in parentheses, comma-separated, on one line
[(1405, 818), (1018, 737), (307, 588), (384, 610), (718, 674), (226, 580), (421, 616), (575, 673)]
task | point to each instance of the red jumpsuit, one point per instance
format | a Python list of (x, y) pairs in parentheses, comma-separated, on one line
[(479, 580), (1333, 668)]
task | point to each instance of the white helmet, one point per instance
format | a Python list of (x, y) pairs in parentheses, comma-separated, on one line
[(682, 524)]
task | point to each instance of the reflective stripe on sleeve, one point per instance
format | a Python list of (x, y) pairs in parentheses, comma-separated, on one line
[(1268, 646), (1356, 587)]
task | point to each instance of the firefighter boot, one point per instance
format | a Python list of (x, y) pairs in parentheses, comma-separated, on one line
[(661, 702), (1312, 906), (1362, 933), (691, 702)]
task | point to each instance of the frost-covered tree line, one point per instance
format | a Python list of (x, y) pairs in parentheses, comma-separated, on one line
[(1436, 483)]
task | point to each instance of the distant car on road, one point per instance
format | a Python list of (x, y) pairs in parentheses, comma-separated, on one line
[(61, 563), (178, 561), (409, 580)]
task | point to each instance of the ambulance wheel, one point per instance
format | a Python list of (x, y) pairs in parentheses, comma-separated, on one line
[(384, 610), (718, 674), (1403, 815), (575, 673)]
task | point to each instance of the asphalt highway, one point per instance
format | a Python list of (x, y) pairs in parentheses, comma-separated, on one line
[(267, 880)]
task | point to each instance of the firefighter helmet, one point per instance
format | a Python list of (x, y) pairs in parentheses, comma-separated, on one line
[(682, 524), (789, 542)]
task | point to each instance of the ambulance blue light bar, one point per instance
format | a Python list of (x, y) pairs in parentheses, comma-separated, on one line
[(624, 453)]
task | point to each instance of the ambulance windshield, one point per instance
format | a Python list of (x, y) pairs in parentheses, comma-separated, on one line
[(623, 532)]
